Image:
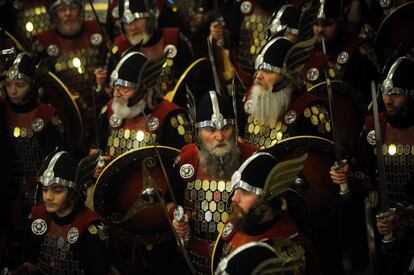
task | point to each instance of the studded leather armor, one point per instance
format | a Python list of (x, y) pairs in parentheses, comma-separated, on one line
[(305, 107), (24, 130), (73, 61), (252, 38), (32, 18), (133, 133), (57, 249), (206, 198), (399, 167)]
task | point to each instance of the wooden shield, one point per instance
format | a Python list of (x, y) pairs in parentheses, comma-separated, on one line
[(123, 191)]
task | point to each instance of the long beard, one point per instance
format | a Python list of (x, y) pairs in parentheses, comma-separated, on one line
[(266, 105), (220, 162), (136, 38), (121, 109)]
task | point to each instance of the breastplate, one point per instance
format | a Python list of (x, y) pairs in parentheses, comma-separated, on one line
[(128, 137), (265, 136), (80, 80), (208, 202), (399, 167), (56, 252), (27, 160), (31, 22), (252, 38)]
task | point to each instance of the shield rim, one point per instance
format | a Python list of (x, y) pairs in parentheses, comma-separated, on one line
[(74, 104), (110, 165)]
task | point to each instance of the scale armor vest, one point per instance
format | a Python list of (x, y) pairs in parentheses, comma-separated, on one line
[(87, 48), (265, 136), (56, 255), (208, 198), (133, 133), (57, 249), (399, 168), (31, 21), (253, 31), (28, 155)]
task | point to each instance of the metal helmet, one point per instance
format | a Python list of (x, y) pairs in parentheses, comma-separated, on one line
[(136, 71), (397, 79), (129, 10), (60, 168), (330, 9), (245, 257), (271, 58), (53, 4), (285, 19), (214, 111), (21, 67), (126, 71), (263, 175)]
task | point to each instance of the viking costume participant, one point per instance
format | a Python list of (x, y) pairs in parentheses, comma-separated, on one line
[(71, 51), (349, 57), (134, 121), (203, 185), (247, 23), (137, 111), (34, 130), (259, 209), (65, 236), (275, 109), (397, 130), (139, 21), (284, 22)]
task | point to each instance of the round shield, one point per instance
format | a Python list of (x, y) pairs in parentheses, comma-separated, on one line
[(349, 112), (57, 94), (128, 192), (193, 78), (395, 32), (314, 183)]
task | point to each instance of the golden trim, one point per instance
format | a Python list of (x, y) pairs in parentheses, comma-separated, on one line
[(91, 204), (14, 39), (72, 99), (304, 137), (323, 83), (171, 94), (386, 19), (214, 250)]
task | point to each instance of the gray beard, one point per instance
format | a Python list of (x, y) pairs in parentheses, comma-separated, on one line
[(135, 39), (122, 111), (267, 106), (222, 165)]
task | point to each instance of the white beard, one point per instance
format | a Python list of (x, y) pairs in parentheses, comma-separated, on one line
[(122, 111), (137, 38), (267, 106)]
